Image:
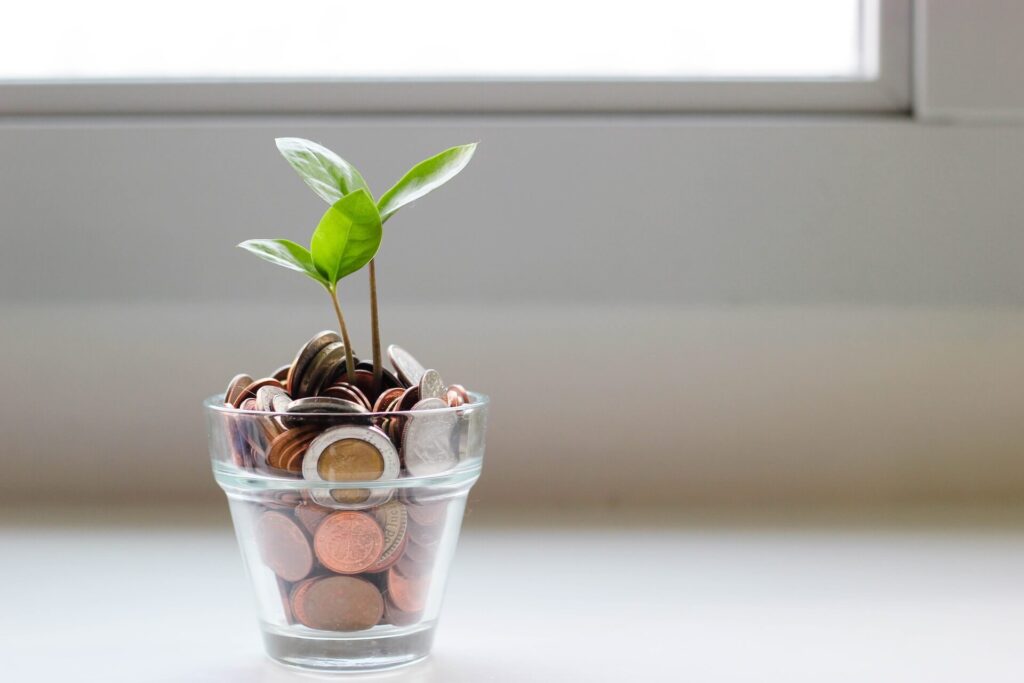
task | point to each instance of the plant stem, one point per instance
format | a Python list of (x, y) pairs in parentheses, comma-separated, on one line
[(350, 364), (378, 367)]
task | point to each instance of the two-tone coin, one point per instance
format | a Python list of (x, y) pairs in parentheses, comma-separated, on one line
[(351, 453)]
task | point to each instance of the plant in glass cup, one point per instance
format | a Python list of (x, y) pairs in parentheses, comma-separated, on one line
[(335, 180)]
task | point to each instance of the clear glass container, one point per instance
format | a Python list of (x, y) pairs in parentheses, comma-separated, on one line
[(347, 549)]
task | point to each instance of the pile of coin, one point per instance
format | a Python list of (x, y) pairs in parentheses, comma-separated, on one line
[(345, 570), (348, 557), (309, 397)]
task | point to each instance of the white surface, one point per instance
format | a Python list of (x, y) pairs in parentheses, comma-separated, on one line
[(563, 598)]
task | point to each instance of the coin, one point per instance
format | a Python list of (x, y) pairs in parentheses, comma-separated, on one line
[(310, 515), (254, 386), (284, 445), (351, 453), (283, 547), (431, 385), (266, 395), (281, 374), (386, 397), (348, 542), (299, 409), (427, 446), (398, 617), (408, 595), (323, 366), (348, 392), (427, 514), (456, 395), (237, 384), (296, 597), (393, 519), (419, 553), (388, 378), (409, 370), (409, 399), (339, 603), (305, 355)]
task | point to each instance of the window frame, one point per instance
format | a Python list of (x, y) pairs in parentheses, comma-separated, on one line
[(887, 23)]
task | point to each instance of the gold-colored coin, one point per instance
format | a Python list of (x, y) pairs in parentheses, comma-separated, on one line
[(350, 460)]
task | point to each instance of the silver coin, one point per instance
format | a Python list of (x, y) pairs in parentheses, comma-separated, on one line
[(305, 355), (266, 396), (409, 370), (431, 385), (428, 439), (323, 365)]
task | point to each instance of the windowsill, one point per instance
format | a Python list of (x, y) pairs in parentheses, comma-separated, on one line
[(138, 596)]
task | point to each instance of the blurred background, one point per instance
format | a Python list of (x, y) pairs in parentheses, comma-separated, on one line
[(735, 256)]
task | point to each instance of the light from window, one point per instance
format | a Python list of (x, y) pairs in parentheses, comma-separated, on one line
[(197, 39)]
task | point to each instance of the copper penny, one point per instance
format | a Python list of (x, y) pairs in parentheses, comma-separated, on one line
[(347, 391), (281, 374), (410, 398), (419, 553), (253, 388), (296, 598), (340, 603), (283, 445), (283, 546), (393, 520), (310, 515), (348, 542), (427, 514), (237, 384), (456, 395), (386, 398), (398, 617), (408, 595)]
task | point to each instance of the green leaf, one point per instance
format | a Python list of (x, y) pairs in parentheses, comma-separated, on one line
[(327, 174), (347, 237), (284, 253), (425, 177)]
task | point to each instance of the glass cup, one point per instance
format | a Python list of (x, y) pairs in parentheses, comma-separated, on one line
[(347, 523)]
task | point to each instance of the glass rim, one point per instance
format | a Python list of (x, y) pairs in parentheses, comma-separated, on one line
[(215, 404)]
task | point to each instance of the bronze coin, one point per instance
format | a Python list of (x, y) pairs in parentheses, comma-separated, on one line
[(387, 397), (296, 598), (283, 546), (388, 380), (398, 617), (286, 441), (363, 380), (340, 603), (304, 356), (410, 397), (393, 520), (425, 534), (310, 515), (408, 595), (456, 395), (281, 374), (348, 542), (237, 384), (419, 553), (348, 392), (427, 514), (412, 568)]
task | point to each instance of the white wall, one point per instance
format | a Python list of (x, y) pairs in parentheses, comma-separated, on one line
[(807, 309)]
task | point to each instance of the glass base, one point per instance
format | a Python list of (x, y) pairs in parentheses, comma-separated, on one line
[(321, 651)]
